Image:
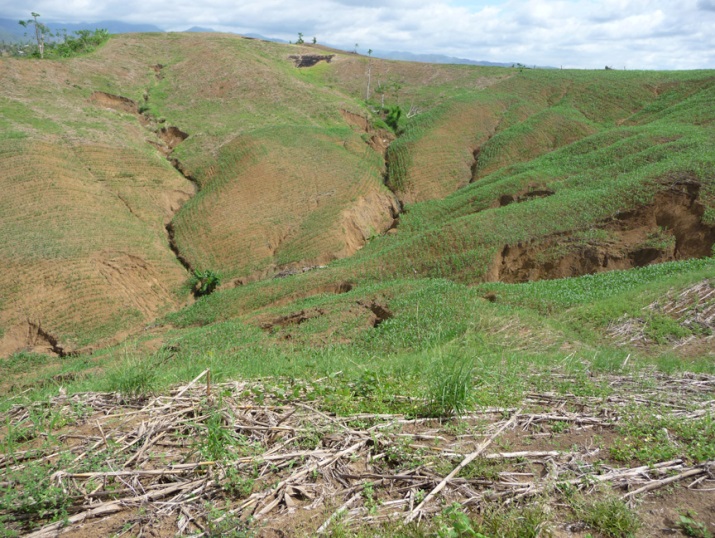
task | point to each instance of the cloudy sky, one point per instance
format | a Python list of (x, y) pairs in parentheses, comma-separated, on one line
[(632, 34)]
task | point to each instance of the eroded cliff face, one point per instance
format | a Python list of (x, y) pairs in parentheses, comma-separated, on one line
[(668, 229), (372, 215)]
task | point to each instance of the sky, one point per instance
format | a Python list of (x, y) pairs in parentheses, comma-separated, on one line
[(583, 34)]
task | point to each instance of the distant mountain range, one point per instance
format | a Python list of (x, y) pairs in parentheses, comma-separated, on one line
[(10, 30), (199, 29), (433, 58)]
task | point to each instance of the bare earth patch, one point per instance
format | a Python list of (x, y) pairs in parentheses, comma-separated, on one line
[(671, 228)]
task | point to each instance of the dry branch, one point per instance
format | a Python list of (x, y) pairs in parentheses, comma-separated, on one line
[(469, 458)]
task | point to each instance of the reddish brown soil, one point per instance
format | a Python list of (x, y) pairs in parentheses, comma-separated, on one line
[(115, 102), (172, 136), (675, 216)]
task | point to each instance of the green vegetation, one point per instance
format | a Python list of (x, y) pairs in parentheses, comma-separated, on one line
[(392, 117), (692, 527), (509, 522), (60, 44), (608, 516), (204, 282)]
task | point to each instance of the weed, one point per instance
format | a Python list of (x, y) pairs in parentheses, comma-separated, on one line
[(237, 484), (454, 523), (400, 454), (218, 440), (368, 493), (559, 426), (133, 377), (607, 515), (663, 329), (692, 527), (451, 388), (30, 491), (310, 439), (222, 523), (650, 438), (514, 521)]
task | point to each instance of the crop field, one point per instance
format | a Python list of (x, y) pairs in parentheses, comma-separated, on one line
[(493, 318)]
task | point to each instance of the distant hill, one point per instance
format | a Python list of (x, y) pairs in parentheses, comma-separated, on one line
[(264, 38), (199, 29), (114, 27), (434, 58), (10, 29)]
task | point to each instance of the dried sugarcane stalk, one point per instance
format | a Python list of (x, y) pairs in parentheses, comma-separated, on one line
[(469, 458)]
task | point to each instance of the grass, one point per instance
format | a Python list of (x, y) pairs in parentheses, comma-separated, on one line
[(608, 516), (451, 388), (647, 439)]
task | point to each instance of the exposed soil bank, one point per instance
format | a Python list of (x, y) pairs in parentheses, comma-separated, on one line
[(378, 212), (309, 60), (337, 289), (30, 336), (670, 228)]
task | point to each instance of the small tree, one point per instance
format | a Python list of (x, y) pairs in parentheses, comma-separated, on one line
[(300, 39), (40, 31), (394, 113), (369, 74), (314, 40)]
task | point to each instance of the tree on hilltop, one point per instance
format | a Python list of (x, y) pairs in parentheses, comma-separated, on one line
[(40, 31)]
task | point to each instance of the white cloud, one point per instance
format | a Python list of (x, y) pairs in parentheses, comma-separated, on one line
[(646, 34)]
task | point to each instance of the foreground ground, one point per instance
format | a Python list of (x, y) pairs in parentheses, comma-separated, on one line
[(631, 454)]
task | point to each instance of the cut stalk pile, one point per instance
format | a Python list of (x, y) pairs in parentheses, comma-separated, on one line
[(206, 456)]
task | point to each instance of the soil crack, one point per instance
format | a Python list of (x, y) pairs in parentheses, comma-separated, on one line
[(37, 337), (380, 141), (167, 138)]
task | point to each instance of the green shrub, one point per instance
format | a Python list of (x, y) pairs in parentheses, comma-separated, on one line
[(82, 42), (204, 282), (392, 119)]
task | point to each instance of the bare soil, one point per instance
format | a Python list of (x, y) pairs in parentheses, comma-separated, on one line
[(671, 228)]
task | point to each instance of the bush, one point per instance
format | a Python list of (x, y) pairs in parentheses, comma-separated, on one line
[(83, 41), (204, 282), (392, 119)]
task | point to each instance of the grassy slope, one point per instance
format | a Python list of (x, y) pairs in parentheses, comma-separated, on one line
[(259, 130), (84, 251), (601, 142)]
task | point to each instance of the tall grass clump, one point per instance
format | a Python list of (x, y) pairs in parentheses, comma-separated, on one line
[(133, 378), (451, 387)]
